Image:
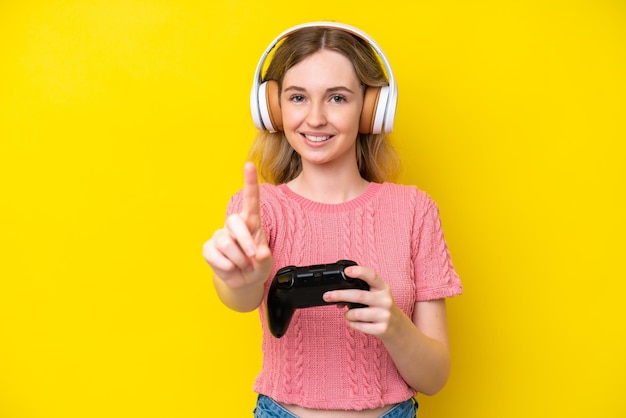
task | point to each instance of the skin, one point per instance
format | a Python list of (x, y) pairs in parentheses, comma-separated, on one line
[(321, 102)]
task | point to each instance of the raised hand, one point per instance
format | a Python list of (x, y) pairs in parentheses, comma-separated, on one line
[(238, 252)]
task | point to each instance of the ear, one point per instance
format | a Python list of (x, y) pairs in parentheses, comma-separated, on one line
[(368, 114)]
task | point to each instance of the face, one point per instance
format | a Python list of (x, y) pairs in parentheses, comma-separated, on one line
[(321, 102)]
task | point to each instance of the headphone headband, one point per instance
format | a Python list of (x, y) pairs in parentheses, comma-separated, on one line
[(384, 118)]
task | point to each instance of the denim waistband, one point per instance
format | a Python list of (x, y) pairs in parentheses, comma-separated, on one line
[(267, 407)]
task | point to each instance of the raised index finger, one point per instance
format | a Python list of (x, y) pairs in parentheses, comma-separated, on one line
[(251, 201)]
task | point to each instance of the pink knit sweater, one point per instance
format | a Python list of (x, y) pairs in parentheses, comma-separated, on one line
[(321, 362)]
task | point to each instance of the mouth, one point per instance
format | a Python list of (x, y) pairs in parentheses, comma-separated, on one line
[(317, 138)]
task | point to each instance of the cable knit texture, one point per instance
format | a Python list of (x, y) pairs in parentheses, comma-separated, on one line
[(394, 229)]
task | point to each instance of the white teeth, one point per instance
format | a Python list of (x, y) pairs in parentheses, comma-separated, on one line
[(316, 138)]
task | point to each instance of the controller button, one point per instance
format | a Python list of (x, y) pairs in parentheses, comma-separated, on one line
[(285, 281)]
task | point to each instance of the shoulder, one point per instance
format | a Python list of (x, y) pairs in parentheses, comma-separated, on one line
[(271, 189), (410, 195), (272, 194)]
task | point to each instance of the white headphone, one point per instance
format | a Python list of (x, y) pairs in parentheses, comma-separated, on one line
[(379, 107)]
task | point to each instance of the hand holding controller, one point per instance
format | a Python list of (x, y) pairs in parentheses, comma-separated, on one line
[(303, 287)]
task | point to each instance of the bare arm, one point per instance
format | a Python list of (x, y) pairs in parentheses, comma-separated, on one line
[(418, 345), (238, 253)]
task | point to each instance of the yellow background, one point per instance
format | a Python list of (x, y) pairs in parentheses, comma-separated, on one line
[(124, 126)]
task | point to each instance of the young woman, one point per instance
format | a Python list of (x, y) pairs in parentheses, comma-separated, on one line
[(327, 199)]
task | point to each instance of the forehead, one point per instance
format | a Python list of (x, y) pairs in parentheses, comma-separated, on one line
[(324, 66)]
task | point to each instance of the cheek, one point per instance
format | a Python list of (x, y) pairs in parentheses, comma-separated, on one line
[(291, 117), (291, 123), (292, 139), (348, 120)]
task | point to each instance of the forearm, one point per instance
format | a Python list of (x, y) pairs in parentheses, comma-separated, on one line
[(241, 299), (423, 362)]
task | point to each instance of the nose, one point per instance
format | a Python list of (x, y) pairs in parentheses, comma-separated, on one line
[(317, 114)]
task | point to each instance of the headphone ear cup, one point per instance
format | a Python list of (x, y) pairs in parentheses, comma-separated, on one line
[(269, 106), (381, 111), (273, 104), (370, 106)]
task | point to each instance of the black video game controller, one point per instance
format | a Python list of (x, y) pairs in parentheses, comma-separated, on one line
[(302, 287)]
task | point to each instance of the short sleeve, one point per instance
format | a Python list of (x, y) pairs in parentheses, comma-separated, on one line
[(435, 275)]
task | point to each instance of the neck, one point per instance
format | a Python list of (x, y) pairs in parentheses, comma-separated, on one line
[(329, 185)]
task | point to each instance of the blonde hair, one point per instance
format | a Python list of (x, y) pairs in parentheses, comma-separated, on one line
[(276, 160)]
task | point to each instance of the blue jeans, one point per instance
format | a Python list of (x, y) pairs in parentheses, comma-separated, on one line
[(267, 407)]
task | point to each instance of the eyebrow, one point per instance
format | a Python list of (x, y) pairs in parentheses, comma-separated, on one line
[(328, 90)]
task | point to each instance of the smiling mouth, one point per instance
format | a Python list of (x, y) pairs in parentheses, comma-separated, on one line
[(314, 138)]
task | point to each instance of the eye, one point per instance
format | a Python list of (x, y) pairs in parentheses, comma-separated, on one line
[(337, 98), (296, 98)]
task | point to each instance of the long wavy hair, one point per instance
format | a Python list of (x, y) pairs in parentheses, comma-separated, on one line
[(276, 160)]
